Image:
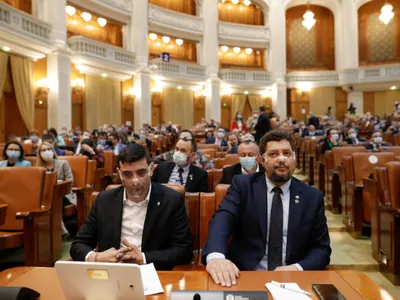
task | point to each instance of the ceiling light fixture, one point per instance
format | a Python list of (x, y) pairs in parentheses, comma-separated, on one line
[(153, 36), (104, 75), (179, 42), (166, 39), (246, 92), (386, 13), (179, 87), (86, 16), (236, 50), (5, 48), (248, 51), (102, 22), (235, 1), (247, 2), (224, 48), (70, 10), (308, 18)]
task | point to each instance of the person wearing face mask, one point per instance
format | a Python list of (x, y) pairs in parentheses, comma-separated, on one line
[(233, 144), (353, 138), (49, 138), (114, 144), (218, 139), (143, 139), (237, 123), (13, 155), (47, 158), (101, 140), (181, 171), (376, 141), (88, 149), (311, 132), (331, 140), (248, 155), (58, 139), (34, 139), (268, 221)]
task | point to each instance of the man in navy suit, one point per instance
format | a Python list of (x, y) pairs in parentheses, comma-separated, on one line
[(274, 221)]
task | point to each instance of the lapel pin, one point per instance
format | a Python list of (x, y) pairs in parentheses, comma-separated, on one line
[(158, 203), (191, 177), (297, 199)]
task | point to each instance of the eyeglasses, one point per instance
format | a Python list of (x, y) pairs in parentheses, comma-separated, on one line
[(275, 154), (186, 139), (129, 175)]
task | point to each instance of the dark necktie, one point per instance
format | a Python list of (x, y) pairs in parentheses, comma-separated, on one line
[(180, 171), (275, 231)]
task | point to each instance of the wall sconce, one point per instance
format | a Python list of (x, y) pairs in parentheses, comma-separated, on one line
[(226, 91), (200, 91), (158, 87), (131, 94), (266, 93), (78, 84), (42, 86), (304, 87)]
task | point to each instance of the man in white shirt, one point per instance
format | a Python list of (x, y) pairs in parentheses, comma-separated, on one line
[(140, 222), (269, 221)]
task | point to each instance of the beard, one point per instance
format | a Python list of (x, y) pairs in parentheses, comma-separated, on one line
[(137, 191), (281, 173)]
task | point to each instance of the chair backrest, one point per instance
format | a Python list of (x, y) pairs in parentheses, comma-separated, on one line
[(393, 171), (22, 190), (79, 167), (192, 203), (364, 163), (207, 146), (207, 210), (93, 197), (28, 148), (231, 159), (210, 152), (393, 149), (217, 177), (210, 180), (91, 170), (177, 187), (108, 162), (339, 152), (220, 193), (32, 159), (112, 186)]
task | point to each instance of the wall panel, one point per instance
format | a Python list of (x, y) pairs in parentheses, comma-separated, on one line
[(182, 6), (240, 13)]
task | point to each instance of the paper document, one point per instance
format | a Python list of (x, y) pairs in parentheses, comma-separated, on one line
[(150, 280), (279, 293)]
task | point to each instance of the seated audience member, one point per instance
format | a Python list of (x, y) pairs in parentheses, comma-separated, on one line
[(101, 140), (200, 159), (313, 120), (237, 123), (45, 132), (164, 239), (209, 134), (114, 144), (143, 138), (331, 140), (34, 139), (312, 132), (394, 128), (47, 158), (49, 138), (88, 149), (13, 155), (376, 142), (285, 241), (248, 155), (212, 123), (12, 137), (181, 171), (353, 138), (247, 137), (252, 121), (58, 139), (233, 144), (218, 139)]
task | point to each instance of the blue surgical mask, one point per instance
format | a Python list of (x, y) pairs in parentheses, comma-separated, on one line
[(102, 142), (247, 163), (221, 135), (142, 137), (13, 154)]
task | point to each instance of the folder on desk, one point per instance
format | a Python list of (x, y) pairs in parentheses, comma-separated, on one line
[(218, 295), (279, 293)]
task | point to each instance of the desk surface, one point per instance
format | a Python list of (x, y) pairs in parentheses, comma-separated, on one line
[(353, 285)]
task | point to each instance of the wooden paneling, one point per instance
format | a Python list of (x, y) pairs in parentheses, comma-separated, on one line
[(110, 34), (78, 99), (39, 72), (24, 5), (341, 103), (13, 122), (242, 60), (298, 101), (363, 36), (127, 114), (187, 51), (324, 49), (369, 102), (156, 108), (240, 13), (199, 108), (182, 6), (225, 111)]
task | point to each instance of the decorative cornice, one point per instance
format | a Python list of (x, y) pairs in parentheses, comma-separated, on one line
[(241, 32), (245, 77), (120, 4)]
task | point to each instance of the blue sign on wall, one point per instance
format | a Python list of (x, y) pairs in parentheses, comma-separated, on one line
[(165, 56)]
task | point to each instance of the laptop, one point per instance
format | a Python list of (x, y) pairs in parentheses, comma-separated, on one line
[(219, 295), (100, 281)]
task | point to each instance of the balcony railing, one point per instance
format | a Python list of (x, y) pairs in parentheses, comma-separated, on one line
[(228, 30), (23, 24), (245, 76), (373, 74), (316, 78), (87, 47), (179, 69)]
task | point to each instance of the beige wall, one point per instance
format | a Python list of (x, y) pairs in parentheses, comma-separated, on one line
[(321, 98), (384, 101), (178, 107)]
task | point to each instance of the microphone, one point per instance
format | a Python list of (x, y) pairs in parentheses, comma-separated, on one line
[(196, 297)]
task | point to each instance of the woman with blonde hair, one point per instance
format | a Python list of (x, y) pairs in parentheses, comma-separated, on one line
[(47, 158)]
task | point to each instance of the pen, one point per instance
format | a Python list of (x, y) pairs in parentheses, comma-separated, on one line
[(282, 285)]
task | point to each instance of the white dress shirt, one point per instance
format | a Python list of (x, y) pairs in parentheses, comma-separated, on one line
[(174, 177), (263, 264), (246, 173), (133, 217)]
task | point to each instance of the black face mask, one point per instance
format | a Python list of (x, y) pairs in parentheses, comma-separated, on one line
[(109, 143)]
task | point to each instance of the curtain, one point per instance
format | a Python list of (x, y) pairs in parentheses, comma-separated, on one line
[(178, 107), (255, 101), (3, 72), (238, 103), (103, 101), (22, 75)]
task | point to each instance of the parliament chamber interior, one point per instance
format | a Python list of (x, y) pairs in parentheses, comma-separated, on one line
[(228, 145)]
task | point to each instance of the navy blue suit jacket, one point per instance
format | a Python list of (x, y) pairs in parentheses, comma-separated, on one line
[(242, 215)]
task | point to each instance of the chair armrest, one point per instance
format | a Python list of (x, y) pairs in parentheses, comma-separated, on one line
[(389, 209), (27, 215), (3, 211), (369, 185)]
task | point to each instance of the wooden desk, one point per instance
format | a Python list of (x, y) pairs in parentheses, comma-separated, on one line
[(353, 285), (46, 282)]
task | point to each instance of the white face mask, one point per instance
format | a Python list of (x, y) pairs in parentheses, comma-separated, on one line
[(221, 135), (353, 135), (378, 140), (255, 116), (247, 163), (180, 158), (47, 155), (335, 136)]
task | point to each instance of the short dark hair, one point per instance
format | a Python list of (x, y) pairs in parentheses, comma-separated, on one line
[(193, 141), (262, 108), (88, 142), (21, 149), (328, 132), (133, 152), (48, 137), (102, 133), (114, 135), (53, 132), (276, 135)]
